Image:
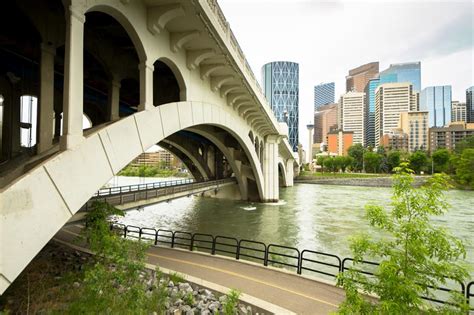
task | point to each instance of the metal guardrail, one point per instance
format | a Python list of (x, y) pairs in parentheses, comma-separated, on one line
[(132, 193), (273, 254)]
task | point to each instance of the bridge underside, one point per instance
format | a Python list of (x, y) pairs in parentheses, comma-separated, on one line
[(87, 86)]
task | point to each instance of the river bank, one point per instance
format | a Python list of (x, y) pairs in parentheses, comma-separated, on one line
[(51, 281), (369, 181)]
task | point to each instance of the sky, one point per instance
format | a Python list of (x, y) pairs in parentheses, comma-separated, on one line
[(327, 38)]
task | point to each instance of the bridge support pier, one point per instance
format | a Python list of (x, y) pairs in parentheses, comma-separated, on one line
[(270, 169)]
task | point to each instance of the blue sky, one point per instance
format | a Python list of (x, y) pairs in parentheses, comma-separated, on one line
[(327, 38)]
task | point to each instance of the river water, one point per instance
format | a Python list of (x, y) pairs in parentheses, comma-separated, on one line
[(316, 217)]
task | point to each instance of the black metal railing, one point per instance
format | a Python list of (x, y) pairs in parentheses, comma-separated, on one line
[(140, 187), (308, 261), (132, 193)]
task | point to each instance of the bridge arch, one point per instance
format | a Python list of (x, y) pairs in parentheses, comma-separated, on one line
[(177, 71), (126, 22)]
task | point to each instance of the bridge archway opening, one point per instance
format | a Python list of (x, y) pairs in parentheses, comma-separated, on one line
[(168, 85), (20, 42), (281, 175), (111, 66)]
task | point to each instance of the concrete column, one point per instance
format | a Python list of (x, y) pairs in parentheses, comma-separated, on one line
[(289, 172), (146, 85), (270, 169), (114, 100), (46, 102), (73, 79)]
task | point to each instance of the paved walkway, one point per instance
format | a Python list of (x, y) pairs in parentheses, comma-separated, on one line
[(290, 291)]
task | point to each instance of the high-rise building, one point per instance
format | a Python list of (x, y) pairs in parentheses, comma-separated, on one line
[(391, 99), (339, 141), (369, 110), (405, 72), (325, 120), (281, 87), (415, 125), (358, 77), (323, 94), (437, 101), (447, 137), (470, 105), (352, 112), (458, 111)]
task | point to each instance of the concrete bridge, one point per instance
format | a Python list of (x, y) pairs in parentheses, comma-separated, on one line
[(139, 73)]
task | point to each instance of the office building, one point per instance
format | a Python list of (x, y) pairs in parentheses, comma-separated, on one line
[(352, 112), (447, 137), (395, 140), (458, 111), (437, 101), (325, 120), (339, 142), (405, 72), (415, 125), (470, 105), (369, 110), (391, 99), (281, 87), (358, 77), (324, 93)]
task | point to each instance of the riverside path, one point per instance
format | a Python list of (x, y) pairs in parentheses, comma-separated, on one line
[(299, 294)]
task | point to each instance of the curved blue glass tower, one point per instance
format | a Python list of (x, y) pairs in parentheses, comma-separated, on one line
[(281, 87)]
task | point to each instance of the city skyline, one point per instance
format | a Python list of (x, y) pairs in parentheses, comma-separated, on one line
[(444, 49)]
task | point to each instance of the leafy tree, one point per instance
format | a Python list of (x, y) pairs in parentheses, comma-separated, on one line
[(339, 162), (393, 160), (329, 164), (381, 150), (372, 162), (413, 256), (466, 143), (356, 151), (115, 282), (346, 162), (440, 159), (465, 168), (418, 161), (320, 162)]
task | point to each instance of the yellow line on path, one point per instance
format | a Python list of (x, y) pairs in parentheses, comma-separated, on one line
[(232, 274)]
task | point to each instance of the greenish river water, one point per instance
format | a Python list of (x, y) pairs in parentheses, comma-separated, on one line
[(316, 217)]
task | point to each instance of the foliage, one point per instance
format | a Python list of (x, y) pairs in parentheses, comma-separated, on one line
[(176, 277), (415, 255), (440, 159), (149, 171), (320, 162), (393, 160), (231, 302), (372, 162), (356, 152), (465, 168), (116, 282), (418, 161), (466, 143), (330, 164)]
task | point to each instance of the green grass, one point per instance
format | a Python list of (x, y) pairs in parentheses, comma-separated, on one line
[(318, 175)]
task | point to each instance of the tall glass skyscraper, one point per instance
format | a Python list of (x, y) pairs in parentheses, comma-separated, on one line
[(324, 93), (470, 105), (281, 87), (406, 72), (437, 101), (369, 112)]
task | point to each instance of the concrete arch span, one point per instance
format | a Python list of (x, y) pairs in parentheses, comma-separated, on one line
[(44, 199)]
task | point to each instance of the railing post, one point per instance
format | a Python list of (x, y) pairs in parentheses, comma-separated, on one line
[(140, 234), (265, 259), (300, 264), (191, 245), (172, 239), (156, 238), (213, 251), (237, 254), (125, 231)]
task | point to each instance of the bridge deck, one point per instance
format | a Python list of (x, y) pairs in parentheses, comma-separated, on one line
[(290, 291)]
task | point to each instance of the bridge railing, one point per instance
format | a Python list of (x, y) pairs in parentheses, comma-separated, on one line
[(302, 262), (140, 187), (133, 193)]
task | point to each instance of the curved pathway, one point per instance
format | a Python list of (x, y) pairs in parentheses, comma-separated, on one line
[(298, 294)]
